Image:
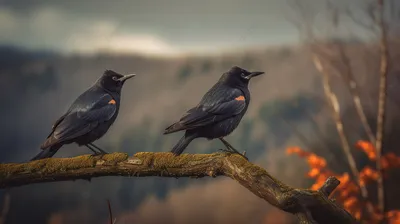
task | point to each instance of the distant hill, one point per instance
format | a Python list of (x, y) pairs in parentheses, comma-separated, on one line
[(37, 87)]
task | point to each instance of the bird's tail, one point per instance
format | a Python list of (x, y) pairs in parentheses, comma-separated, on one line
[(46, 153), (182, 144), (174, 128)]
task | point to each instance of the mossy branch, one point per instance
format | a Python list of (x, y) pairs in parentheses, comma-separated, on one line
[(309, 206)]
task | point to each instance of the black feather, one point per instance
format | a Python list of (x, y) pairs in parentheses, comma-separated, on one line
[(89, 117), (219, 111)]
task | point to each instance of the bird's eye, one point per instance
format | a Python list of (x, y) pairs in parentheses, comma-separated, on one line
[(115, 78)]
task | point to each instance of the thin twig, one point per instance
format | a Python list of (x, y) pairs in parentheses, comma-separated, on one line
[(383, 72), (304, 139), (334, 105), (360, 22), (348, 77), (6, 208), (335, 108), (110, 211), (297, 133), (323, 140)]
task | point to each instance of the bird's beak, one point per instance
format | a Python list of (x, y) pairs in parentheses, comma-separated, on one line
[(126, 77), (254, 74)]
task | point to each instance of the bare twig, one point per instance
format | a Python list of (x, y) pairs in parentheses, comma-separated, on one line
[(324, 141), (347, 74), (334, 105), (297, 133), (110, 211), (342, 67), (335, 108), (331, 97), (348, 77), (368, 26), (383, 71), (304, 139), (6, 208), (304, 26), (308, 205)]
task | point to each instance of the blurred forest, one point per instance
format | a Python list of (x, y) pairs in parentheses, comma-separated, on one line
[(52, 83), (289, 110)]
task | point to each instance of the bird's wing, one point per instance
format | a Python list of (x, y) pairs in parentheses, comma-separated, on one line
[(58, 121), (84, 118), (208, 113), (204, 115)]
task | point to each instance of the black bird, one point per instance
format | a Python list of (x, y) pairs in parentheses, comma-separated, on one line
[(219, 111), (89, 117)]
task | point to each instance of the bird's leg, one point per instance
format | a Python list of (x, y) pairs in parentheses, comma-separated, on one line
[(228, 149), (91, 149), (229, 146), (102, 151)]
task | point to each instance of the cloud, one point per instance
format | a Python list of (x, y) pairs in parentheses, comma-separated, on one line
[(137, 26), (141, 43), (103, 36), (50, 28), (8, 24)]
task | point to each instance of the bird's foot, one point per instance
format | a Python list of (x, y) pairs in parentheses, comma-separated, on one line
[(226, 151), (93, 155), (243, 155), (102, 152), (234, 152), (98, 149), (98, 154)]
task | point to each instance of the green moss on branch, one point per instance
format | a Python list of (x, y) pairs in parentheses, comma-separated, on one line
[(309, 206)]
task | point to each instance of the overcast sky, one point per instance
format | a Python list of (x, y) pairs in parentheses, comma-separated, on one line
[(155, 26)]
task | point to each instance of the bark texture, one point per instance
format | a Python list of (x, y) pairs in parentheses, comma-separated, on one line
[(309, 206)]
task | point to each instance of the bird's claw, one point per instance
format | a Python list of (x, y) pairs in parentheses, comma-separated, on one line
[(98, 154), (225, 150), (233, 152), (102, 152), (92, 155)]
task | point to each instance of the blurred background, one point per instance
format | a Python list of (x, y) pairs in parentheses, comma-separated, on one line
[(51, 51)]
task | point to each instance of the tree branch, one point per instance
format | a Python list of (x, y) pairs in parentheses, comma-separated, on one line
[(335, 109), (110, 212), (5, 209), (348, 77), (309, 206), (383, 72)]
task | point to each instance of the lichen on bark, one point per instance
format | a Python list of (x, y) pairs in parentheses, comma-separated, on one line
[(309, 206)]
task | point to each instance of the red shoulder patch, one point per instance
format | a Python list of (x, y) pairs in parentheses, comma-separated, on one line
[(240, 98)]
